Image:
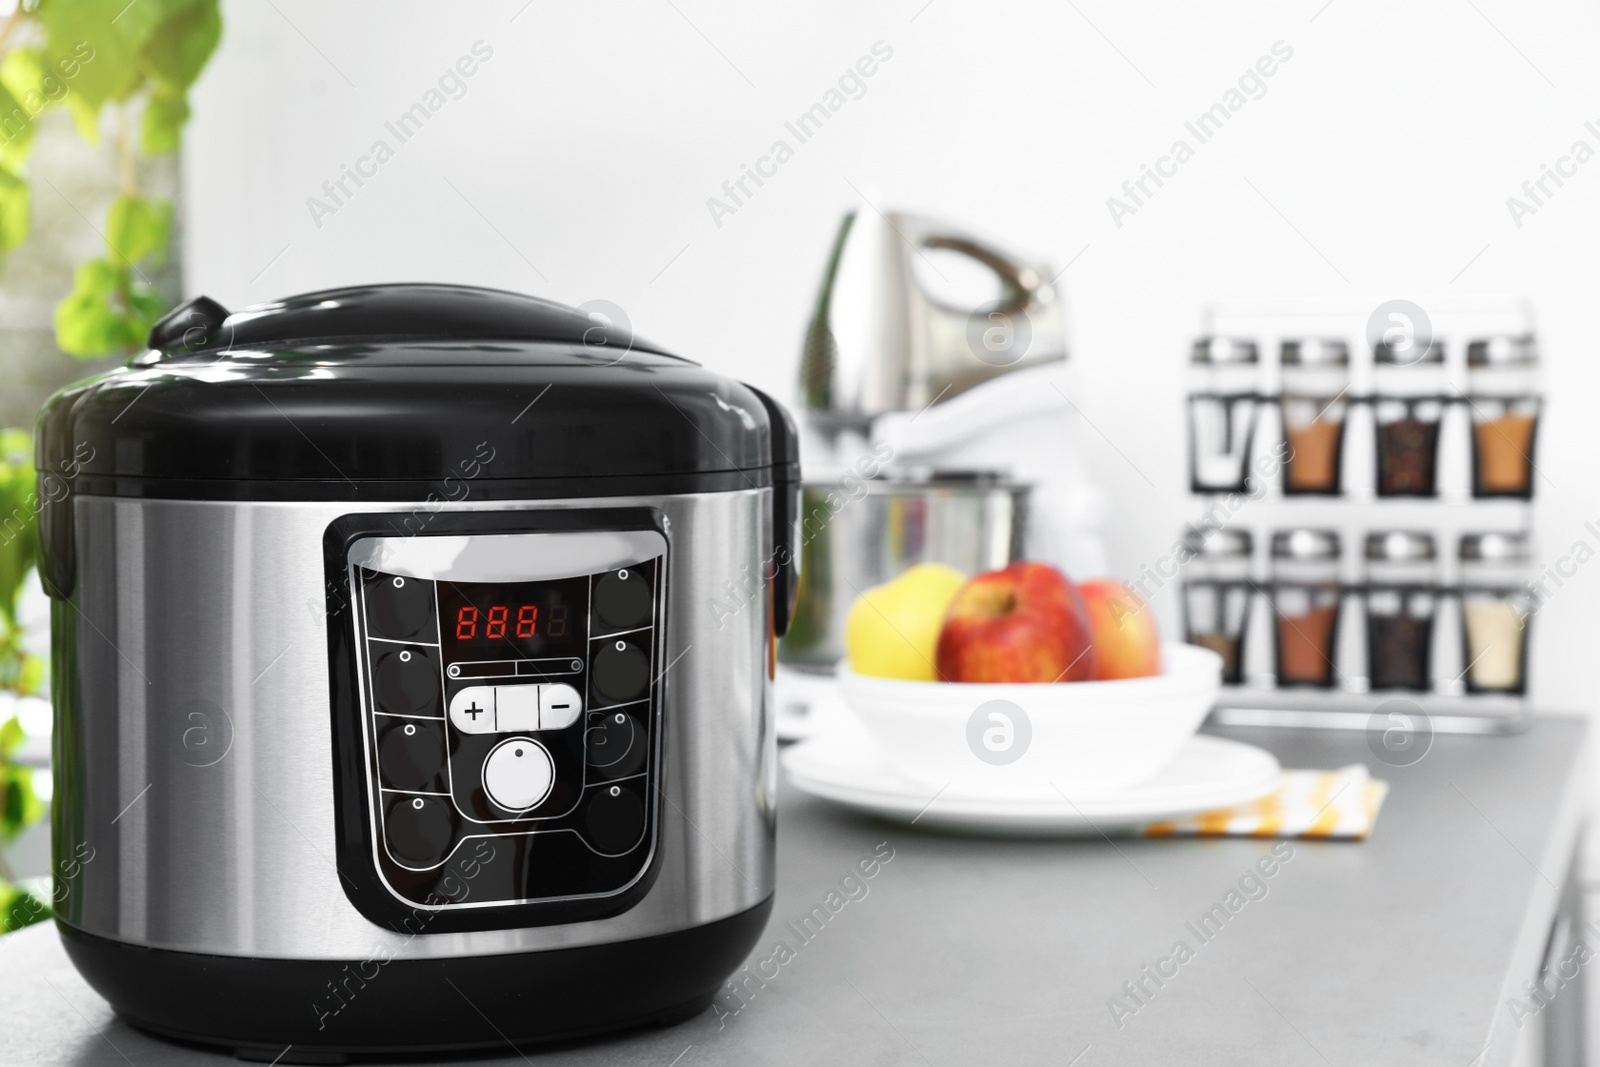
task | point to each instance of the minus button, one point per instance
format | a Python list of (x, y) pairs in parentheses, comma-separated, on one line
[(559, 706)]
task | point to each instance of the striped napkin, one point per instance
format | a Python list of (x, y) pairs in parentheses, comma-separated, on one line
[(1328, 804)]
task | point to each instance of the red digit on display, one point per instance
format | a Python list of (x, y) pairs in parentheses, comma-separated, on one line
[(527, 620), (497, 622), (467, 623)]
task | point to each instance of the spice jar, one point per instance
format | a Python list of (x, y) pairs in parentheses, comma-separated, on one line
[(1217, 593), (1402, 599), (1316, 374), (1501, 380), (1408, 407), (1222, 414), (1305, 600), (1495, 607)]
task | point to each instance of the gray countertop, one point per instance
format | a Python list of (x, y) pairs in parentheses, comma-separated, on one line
[(1402, 949)]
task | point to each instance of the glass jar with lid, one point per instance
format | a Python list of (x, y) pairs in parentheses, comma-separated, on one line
[(1306, 596), (1495, 607), (1408, 407), (1402, 598), (1316, 377), (1218, 593), (1222, 413), (1502, 385)]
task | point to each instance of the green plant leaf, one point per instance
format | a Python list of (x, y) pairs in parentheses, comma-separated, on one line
[(19, 804), (108, 311), (88, 323), (31, 675), (96, 45), (179, 47), (10, 736), (23, 73), (86, 119), (137, 227), (162, 126), (19, 528), (14, 200), (16, 447), (23, 904), (17, 127), (146, 305)]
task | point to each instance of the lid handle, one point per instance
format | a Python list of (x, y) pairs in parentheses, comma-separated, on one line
[(783, 565), (188, 326)]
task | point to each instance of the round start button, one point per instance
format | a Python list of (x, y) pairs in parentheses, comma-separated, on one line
[(518, 774)]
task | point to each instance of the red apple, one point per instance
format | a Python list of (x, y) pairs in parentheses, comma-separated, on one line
[(1026, 623), (1124, 628)]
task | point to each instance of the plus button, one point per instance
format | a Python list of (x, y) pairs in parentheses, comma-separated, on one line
[(473, 710)]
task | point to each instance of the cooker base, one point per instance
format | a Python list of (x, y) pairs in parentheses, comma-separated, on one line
[(331, 1010)]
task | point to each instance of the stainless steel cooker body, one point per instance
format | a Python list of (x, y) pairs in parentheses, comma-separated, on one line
[(195, 805)]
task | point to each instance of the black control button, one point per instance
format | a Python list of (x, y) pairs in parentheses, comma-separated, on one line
[(411, 755), (609, 739), (621, 671), (398, 607), (420, 830), (407, 683), (622, 600), (615, 819)]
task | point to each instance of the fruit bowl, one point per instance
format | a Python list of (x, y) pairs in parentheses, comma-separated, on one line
[(1075, 738)]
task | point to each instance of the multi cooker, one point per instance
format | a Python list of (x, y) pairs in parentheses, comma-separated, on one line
[(413, 649)]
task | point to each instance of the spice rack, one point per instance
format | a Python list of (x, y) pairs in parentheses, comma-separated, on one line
[(1349, 420)]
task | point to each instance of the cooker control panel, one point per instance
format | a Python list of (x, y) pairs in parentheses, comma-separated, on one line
[(511, 725)]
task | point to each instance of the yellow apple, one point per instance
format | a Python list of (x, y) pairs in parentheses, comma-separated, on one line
[(893, 629)]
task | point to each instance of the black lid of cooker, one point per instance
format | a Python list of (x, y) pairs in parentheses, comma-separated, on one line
[(385, 392), (383, 315)]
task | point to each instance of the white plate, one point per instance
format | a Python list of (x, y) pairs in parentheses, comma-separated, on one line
[(844, 765)]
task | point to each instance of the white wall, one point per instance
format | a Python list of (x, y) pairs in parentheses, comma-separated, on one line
[(592, 138)]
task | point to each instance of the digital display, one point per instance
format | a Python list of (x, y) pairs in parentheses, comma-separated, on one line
[(513, 620), (498, 620)]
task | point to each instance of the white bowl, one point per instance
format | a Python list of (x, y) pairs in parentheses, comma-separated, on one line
[(1076, 738)]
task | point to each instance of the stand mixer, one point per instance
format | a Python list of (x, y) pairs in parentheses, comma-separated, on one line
[(935, 428)]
